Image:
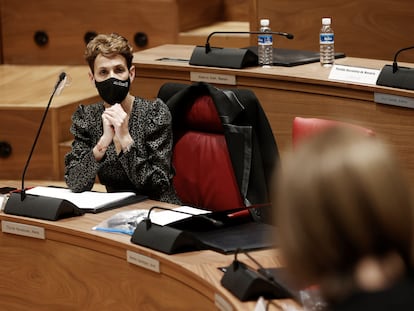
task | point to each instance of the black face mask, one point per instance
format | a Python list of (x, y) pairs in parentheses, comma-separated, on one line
[(112, 90)]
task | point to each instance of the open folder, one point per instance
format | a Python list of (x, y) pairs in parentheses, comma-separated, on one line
[(89, 201)]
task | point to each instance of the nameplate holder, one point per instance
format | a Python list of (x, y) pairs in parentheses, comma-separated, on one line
[(23, 229), (394, 100), (143, 261), (354, 74), (212, 78)]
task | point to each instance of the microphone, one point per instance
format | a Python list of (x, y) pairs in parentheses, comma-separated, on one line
[(168, 239), (214, 222), (59, 86), (208, 48), (249, 284), (394, 64), (165, 239), (41, 207), (397, 76), (236, 58)]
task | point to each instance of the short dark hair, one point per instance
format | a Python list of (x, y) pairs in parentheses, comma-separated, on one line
[(107, 45)]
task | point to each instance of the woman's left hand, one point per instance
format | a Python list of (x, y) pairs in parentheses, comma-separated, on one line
[(119, 120)]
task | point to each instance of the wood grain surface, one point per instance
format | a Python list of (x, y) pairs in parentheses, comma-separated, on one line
[(77, 268)]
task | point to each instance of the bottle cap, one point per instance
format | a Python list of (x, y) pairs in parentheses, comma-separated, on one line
[(326, 21), (264, 22)]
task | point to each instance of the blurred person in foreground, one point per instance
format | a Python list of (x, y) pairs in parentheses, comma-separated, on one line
[(345, 213), (124, 140)]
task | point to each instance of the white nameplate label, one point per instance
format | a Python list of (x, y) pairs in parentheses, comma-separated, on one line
[(143, 261), (354, 74), (22, 229), (394, 100), (212, 78), (221, 303)]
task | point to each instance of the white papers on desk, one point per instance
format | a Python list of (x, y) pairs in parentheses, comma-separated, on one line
[(163, 218), (84, 200)]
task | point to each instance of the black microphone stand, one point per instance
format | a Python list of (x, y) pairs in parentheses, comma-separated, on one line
[(35, 206), (394, 64), (208, 48), (236, 58), (62, 76), (397, 76)]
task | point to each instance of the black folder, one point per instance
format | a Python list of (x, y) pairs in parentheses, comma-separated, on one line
[(229, 237), (290, 58), (223, 235), (247, 236)]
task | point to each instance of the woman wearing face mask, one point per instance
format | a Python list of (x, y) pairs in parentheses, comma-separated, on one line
[(124, 140)]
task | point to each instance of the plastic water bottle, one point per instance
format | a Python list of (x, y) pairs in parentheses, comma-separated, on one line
[(326, 43), (265, 44)]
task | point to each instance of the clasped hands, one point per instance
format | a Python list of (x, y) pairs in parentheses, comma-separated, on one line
[(115, 127)]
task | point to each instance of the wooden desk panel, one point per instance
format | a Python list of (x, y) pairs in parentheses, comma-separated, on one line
[(76, 268), (296, 91), (25, 92)]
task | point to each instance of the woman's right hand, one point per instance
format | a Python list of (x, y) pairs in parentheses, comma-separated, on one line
[(105, 140), (108, 132)]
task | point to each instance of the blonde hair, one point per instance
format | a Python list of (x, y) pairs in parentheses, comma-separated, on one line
[(107, 45), (339, 197)]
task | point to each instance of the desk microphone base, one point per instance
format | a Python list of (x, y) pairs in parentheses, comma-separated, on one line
[(164, 238), (40, 207), (223, 57), (403, 78)]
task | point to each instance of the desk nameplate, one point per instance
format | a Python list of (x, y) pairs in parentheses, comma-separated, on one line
[(22, 229), (212, 78), (143, 261), (394, 100)]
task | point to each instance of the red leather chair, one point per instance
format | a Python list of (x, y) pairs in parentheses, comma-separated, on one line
[(224, 149), (305, 127), (204, 173)]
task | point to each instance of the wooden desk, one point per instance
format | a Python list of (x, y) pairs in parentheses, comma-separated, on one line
[(76, 268), (25, 92), (288, 92)]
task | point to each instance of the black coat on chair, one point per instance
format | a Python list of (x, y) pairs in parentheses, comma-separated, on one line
[(251, 145)]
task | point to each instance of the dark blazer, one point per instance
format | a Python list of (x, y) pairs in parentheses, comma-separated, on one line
[(252, 146)]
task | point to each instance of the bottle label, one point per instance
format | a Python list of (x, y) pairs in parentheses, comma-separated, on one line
[(326, 38), (264, 39)]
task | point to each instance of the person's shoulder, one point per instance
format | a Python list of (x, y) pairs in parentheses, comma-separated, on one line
[(152, 111), (156, 105), (87, 112), (89, 109)]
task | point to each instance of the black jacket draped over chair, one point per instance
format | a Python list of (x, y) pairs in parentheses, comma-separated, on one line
[(252, 148)]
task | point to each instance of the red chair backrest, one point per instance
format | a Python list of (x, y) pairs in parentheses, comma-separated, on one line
[(204, 174), (305, 127)]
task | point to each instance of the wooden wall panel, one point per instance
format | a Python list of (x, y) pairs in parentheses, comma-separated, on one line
[(195, 13), (363, 28), (67, 22), (236, 10)]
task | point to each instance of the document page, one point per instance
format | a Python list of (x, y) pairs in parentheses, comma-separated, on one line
[(163, 218), (84, 200)]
